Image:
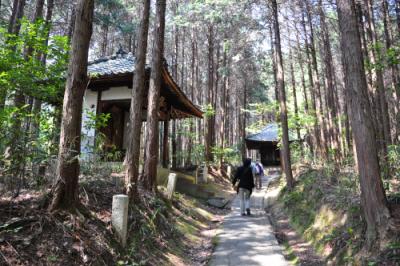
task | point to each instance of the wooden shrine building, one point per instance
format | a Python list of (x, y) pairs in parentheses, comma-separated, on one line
[(266, 142), (109, 91)]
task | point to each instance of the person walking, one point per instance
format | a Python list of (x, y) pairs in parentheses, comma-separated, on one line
[(259, 173), (245, 187)]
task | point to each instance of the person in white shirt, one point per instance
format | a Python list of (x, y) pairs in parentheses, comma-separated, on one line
[(258, 173)]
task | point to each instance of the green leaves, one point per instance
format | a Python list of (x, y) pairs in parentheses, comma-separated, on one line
[(114, 13), (22, 70), (21, 61), (394, 159), (384, 58), (228, 153), (96, 121), (208, 110)]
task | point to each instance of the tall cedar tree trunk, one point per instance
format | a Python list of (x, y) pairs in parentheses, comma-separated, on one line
[(20, 128), (273, 52), (282, 99), (397, 9), (151, 149), (14, 150), (37, 103), (37, 15), (136, 109), (331, 103), (339, 122), (394, 72), (192, 69), (210, 81), (71, 24), (199, 125), (215, 92), (348, 129), (293, 79), (223, 105), (323, 148), (65, 191), (303, 84), (174, 164), (183, 74), (371, 94), (17, 13), (316, 136), (165, 150), (303, 80), (243, 115), (31, 127), (11, 21), (104, 41), (378, 78), (373, 199)]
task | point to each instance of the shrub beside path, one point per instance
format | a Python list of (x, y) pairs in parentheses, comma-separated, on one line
[(248, 240)]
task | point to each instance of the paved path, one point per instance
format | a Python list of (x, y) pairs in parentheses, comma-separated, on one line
[(248, 240)]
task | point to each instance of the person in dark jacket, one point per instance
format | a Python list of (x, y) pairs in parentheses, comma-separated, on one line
[(246, 184)]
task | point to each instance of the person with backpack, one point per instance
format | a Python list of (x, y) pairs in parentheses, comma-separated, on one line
[(244, 175), (259, 169)]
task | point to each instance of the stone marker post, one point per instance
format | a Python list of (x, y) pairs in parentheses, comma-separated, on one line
[(196, 180), (205, 174), (119, 217), (171, 185), (229, 171)]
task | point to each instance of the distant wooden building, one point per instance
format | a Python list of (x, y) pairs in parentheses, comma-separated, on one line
[(109, 91), (266, 142)]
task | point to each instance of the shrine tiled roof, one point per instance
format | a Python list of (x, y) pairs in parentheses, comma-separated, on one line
[(119, 69), (112, 65)]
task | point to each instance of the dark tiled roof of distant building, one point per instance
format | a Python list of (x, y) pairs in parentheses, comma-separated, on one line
[(270, 133)]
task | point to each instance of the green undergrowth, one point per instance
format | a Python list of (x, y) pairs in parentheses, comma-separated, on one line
[(164, 232), (289, 254), (324, 207)]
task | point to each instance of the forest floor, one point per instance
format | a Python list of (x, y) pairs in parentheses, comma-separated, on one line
[(162, 232), (320, 222)]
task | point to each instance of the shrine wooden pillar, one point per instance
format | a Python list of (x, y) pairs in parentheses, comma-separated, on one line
[(165, 143)]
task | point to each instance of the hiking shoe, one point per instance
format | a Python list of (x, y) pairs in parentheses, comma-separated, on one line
[(248, 211)]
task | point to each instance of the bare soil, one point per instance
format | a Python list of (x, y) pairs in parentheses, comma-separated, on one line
[(29, 235)]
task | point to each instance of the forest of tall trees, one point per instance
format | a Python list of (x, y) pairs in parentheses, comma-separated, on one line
[(326, 71)]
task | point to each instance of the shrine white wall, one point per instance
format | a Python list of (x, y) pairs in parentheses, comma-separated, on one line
[(116, 93), (90, 107), (88, 130)]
